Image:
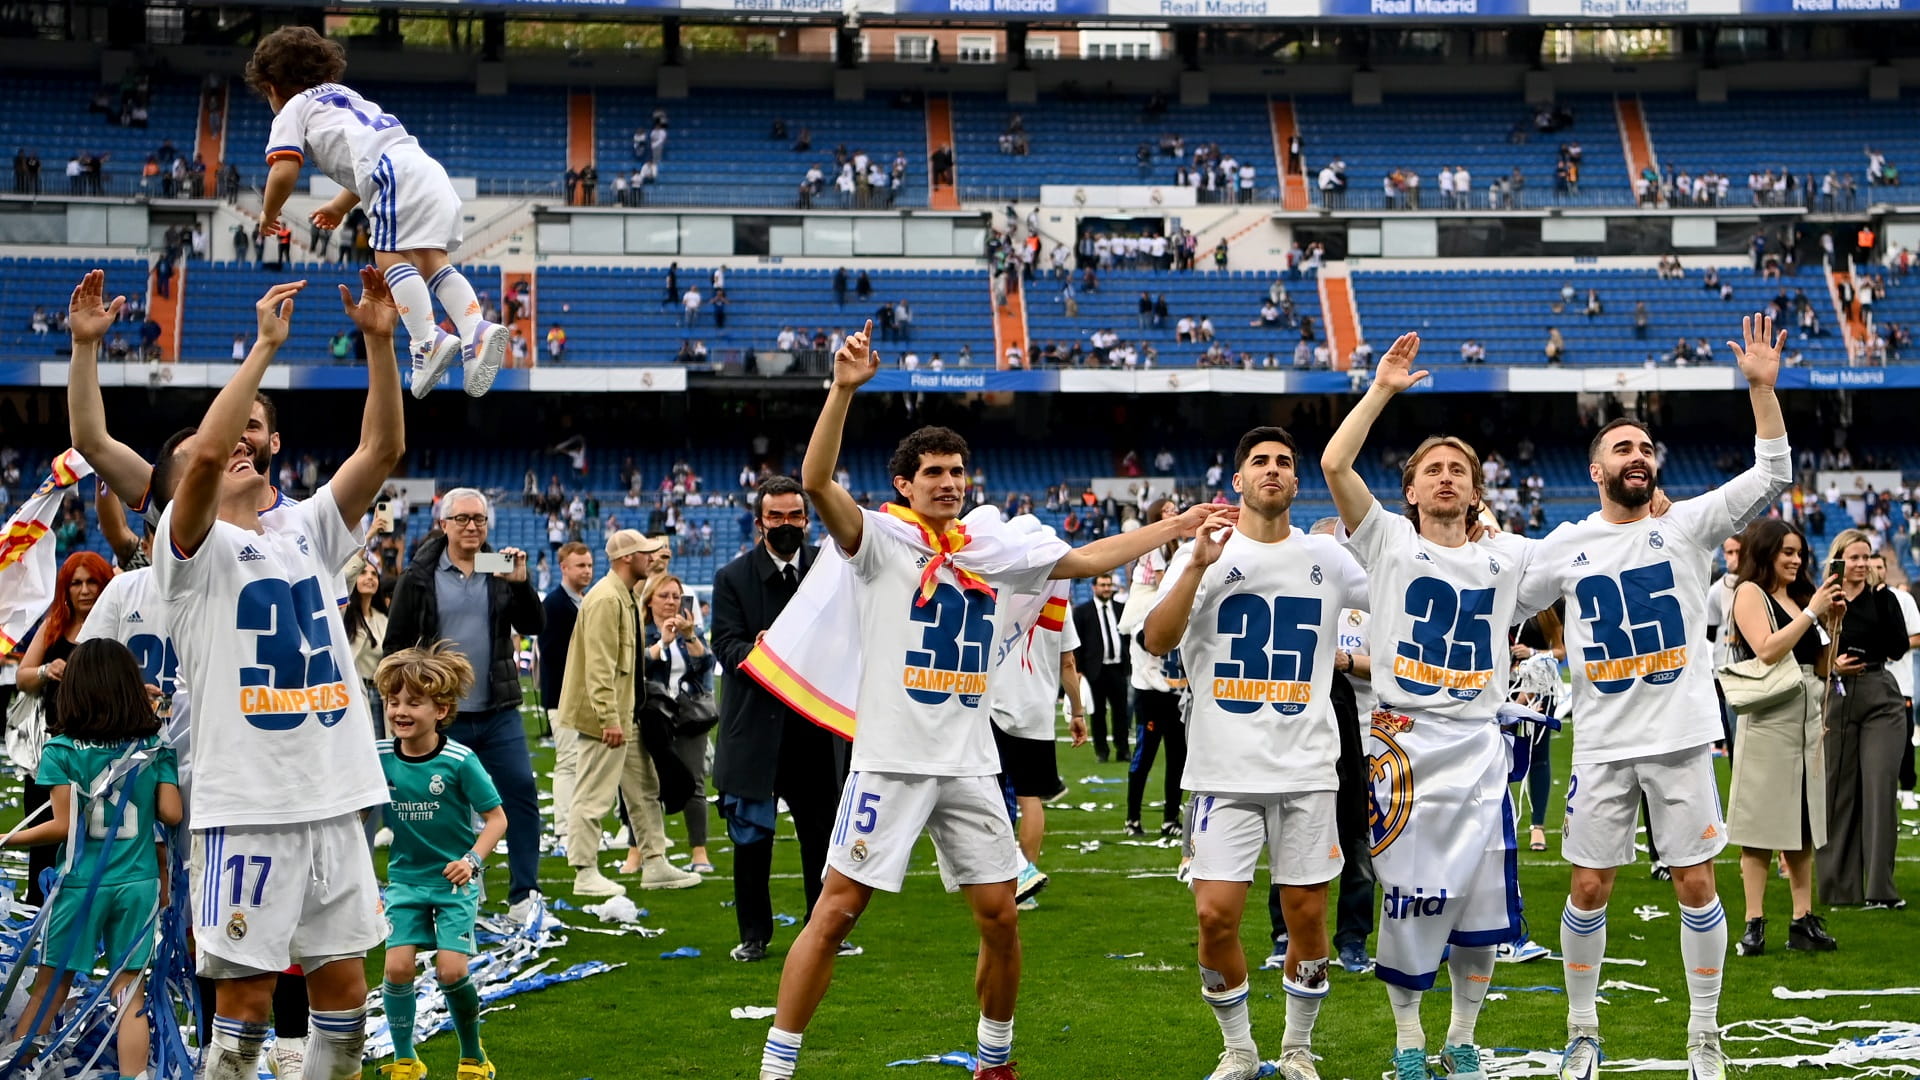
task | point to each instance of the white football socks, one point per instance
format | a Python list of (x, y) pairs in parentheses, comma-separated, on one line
[(1703, 949), (1407, 1032), (415, 302), (1583, 944), (781, 1052), (1306, 989), (1230, 1009), (1471, 971), (457, 299)]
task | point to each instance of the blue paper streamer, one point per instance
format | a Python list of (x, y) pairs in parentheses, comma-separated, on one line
[(1527, 989), (953, 1057), (786, 920), (684, 952)]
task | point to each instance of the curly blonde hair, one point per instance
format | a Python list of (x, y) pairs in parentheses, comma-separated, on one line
[(435, 672)]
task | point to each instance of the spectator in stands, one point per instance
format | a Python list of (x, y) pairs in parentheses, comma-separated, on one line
[(1332, 183), (1640, 318), (1670, 269), (1556, 348), (1702, 351), (690, 305), (1593, 308), (556, 343), (804, 142), (657, 141)]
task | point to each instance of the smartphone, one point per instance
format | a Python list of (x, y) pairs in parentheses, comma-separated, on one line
[(1837, 568), (492, 562)]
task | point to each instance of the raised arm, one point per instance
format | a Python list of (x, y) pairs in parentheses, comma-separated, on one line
[(89, 318), (1395, 373), (1760, 364), (196, 499), (282, 177), (853, 366), (113, 525), (1122, 548), (383, 435)]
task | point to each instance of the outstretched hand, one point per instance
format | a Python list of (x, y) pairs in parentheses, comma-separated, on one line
[(274, 312), (1395, 372), (88, 316), (1760, 358), (856, 363), (376, 314), (1212, 533)]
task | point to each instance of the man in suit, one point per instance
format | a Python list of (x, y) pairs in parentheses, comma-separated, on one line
[(765, 751), (563, 609), (1102, 658)]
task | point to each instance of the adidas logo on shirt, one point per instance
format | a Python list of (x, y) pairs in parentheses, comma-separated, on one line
[(135, 617), (1421, 556), (1233, 576), (1580, 559), (248, 554)]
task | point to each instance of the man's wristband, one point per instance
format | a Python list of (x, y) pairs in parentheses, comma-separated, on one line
[(474, 860)]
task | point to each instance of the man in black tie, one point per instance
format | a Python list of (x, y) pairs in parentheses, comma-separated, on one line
[(765, 751), (1102, 658)]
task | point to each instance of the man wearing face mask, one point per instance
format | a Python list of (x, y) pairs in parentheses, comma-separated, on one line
[(764, 751)]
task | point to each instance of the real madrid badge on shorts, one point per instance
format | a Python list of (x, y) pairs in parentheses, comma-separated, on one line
[(858, 853), (237, 927)]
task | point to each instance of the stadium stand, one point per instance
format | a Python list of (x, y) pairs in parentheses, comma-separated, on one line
[(719, 152), (1807, 132), (621, 316), (27, 284), (1095, 142), (1232, 299), (221, 296), (1510, 312), (514, 144), (1425, 132), (49, 114)]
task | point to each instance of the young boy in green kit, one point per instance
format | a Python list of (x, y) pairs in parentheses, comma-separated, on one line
[(435, 787)]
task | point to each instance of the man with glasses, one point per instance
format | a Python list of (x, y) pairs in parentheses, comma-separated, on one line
[(442, 596), (764, 750)]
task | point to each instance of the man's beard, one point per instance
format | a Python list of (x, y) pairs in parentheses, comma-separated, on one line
[(1268, 505), (1619, 492), (262, 461)]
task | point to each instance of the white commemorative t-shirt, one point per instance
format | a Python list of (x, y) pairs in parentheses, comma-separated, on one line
[(1354, 625), (924, 699), (277, 500), (1440, 615), (339, 132), (1163, 674), (131, 611), (1636, 623), (1026, 673), (1902, 669), (280, 725), (1258, 651)]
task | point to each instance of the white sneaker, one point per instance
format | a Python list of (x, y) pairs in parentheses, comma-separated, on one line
[(1909, 801), (289, 1059), (591, 882), (528, 908), (658, 873), (1582, 1058), (383, 837), (483, 356), (1028, 885), (1297, 1064), (1277, 961), (431, 360), (1704, 1059), (1236, 1064)]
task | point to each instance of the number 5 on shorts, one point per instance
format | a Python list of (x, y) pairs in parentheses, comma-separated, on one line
[(866, 812)]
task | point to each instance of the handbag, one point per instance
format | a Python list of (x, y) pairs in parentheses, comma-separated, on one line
[(26, 731), (694, 711), (1753, 685)]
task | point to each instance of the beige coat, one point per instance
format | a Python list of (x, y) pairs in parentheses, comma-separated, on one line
[(1780, 771), (597, 691)]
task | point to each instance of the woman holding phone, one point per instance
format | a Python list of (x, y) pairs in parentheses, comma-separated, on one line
[(1866, 724), (1779, 796)]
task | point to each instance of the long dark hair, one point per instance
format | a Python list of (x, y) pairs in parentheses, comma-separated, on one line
[(1154, 510), (353, 617), (103, 696), (1760, 545)]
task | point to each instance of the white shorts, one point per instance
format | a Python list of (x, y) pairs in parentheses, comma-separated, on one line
[(1683, 809), (1226, 833), (1417, 924), (267, 897), (411, 205), (882, 815)]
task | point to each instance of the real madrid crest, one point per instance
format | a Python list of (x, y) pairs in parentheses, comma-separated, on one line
[(1655, 540), (437, 785), (1493, 565), (1353, 617), (237, 926), (859, 852), (1316, 577)]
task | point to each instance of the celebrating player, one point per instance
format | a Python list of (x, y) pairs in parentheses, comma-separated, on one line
[(280, 868), (1442, 827), (933, 597), (1255, 616), (1643, 694), (411, 205)]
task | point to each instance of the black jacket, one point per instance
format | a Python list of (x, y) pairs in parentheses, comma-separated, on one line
[(1090, 657), (414, 619), (758, 732), (561, 614)]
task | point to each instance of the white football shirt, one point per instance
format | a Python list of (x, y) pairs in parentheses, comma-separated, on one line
[(1636, 625), (1258, 651), (1355, 639), (280, 723), (1440, 615), (339, 132), (1026, 673), (1902, 669), (924, 699)]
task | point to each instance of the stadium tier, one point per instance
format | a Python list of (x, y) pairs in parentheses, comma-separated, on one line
[(1098, 142), (623, 316), (1512, 312), (1806, 132), (28, 285), (220, 296), (1231, 299), (719, 151), (511, 144), (54, 116)]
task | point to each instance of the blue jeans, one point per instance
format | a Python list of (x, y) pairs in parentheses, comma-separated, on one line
[(500, 740)]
